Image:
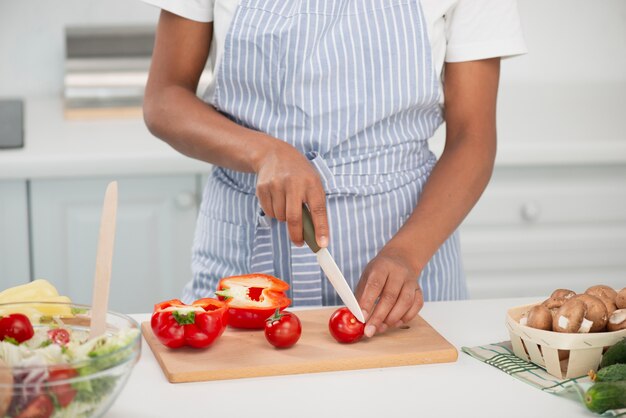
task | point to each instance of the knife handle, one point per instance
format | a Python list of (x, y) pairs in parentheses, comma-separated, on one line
[(308, 230)]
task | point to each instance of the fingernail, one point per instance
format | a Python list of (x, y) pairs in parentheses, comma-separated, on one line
[(383, 328), (323, 242), (399, 324), (370, 330), (365, 314)]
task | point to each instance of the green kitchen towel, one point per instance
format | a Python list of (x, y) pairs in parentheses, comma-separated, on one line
[(500, 356)]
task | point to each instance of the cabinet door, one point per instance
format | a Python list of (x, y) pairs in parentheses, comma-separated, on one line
[(14, 257), (152, 255), (542, 228)]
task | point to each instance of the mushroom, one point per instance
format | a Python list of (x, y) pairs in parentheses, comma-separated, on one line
[(6, 387), (558, 298), (571, 317), (610, 306), (617, 320), (606, 294), (524, 319), (563, 294), (602, 291), (596, 311), (539, 317), (620, 299)]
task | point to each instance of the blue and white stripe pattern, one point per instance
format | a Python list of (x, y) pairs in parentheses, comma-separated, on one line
[(351, 84)]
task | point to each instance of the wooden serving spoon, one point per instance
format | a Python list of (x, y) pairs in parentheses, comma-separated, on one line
[(104, 259)]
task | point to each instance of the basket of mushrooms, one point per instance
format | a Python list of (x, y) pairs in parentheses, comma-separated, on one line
[(567, 333)]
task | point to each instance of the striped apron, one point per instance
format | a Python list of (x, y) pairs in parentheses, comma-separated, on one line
[(350, 84)]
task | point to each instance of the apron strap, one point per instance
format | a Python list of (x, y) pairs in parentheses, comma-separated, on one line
[(262, 259), (306, 277)]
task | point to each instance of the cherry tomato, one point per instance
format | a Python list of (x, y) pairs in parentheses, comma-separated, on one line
[(16, 326), (344, 326), (64, 392), (283, 329), (59, 336), (40, 407)]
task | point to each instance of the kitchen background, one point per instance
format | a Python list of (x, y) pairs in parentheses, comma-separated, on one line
[(553, 216)]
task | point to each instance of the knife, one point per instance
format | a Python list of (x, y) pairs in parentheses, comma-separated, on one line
[(327, 263)]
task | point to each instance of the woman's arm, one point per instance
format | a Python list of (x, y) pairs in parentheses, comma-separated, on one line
[(174, 113), (454, 186)]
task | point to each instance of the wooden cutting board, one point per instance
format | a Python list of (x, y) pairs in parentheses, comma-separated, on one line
[(245, 353)]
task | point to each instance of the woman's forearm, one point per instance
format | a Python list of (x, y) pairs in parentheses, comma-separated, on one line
[(465, 167), (196, 129), (454, 186), (175, 114)]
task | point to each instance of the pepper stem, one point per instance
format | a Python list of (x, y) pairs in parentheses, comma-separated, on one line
[(224, 293), (184, 318)]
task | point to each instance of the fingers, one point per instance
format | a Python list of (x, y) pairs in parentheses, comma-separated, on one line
[(369, 288), (288, 207), (284, 183), (418, 304), (403, 304), (316, 200), (387, 300), (265, 200), (294, 220)]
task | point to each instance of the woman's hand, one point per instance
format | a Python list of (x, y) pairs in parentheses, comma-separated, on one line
[(390, 278), (286, 179)]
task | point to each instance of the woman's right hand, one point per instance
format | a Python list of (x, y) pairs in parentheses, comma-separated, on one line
[(286, 180)]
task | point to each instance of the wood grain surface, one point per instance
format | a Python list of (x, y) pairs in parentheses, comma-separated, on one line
[(245, 353)]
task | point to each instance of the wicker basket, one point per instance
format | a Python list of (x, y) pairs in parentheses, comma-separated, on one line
[(542, 347)]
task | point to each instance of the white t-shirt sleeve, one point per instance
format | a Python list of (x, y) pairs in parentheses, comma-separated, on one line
[(480, 29), (198, 10)]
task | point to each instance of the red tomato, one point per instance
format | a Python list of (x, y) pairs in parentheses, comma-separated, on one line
[(64, 392), (59, 336), (282, 329), (40, 407), (16, 326), (344, 326)]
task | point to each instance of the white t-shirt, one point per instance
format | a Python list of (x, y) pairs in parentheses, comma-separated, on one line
[(459, 30)]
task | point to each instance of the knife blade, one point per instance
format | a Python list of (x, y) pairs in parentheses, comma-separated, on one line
[(328, 265)]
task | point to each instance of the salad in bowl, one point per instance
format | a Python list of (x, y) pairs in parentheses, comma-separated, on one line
[(49, 367)]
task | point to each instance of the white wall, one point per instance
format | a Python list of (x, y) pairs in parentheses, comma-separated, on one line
[(32, 50), (572, 84), (569, 40)]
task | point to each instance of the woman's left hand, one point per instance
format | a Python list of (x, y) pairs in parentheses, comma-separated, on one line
[(390, 278)]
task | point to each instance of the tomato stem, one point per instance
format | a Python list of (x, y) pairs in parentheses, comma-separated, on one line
[(11, 340), (276, 316)]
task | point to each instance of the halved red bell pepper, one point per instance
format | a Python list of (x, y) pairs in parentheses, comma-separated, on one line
[(252, 298), (197, 325)]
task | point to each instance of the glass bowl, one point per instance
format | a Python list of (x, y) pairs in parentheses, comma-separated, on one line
[(76, 379)]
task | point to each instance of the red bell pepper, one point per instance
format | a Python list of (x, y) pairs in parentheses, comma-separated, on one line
[(197, 325), (252, 298)]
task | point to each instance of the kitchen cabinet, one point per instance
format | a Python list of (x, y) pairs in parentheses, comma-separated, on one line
[(539, 228), (14, 250), (152, 254)]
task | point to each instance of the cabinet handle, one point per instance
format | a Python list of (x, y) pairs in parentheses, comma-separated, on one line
[(185, 200), (531, 211)]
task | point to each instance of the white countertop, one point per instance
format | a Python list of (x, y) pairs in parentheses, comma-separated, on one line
[(56, 147), (466, 388)]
